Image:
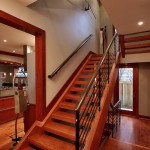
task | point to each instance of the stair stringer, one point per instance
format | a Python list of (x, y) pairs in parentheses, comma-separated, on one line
[(95, 134)]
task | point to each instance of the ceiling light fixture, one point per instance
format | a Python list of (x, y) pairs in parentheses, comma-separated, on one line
[(140, 23), (4, 41), (14, 51)]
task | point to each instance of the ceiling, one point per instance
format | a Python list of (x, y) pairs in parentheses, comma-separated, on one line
[(125, 14), (15, 39)]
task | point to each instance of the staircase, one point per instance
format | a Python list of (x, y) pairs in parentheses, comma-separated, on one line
[(58, 129), (70, 123), (135, 43)]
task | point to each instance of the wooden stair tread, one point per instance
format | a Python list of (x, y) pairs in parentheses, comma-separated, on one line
[(137, 46), (97, 55), (60, 129), (90, 66), (137, 38), (88, 71), (67, 105), (64, 116), (85, 76), (47, 142), (112, 144), (28, 148), (80, 89), (81, 82), (93, 62), (95, 58), (73, 96)]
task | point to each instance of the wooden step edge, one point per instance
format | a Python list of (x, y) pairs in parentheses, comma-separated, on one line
[(137, 52), (97, 55), (48, 142), (88, 71), (28, 147), (64, 116), (37, 124), (137, 46), (81, 82), (77, 89), (72, 96), (67, 106), (137, 38), (33, 140), (52, 127)]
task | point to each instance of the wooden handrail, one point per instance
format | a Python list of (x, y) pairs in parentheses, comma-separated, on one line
[(69, 57)]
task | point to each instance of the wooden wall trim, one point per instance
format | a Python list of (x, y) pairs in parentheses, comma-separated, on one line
[(137, 38), (54, 100), (137, 46), (121, 39), (19, 24), (137, 32), (29, 116), (137, 52), (135, 67), (11, 54)]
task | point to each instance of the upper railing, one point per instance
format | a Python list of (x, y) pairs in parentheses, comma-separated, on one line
[(91, 98), (69, 57)]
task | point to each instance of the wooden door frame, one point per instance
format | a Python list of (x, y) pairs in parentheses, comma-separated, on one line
[(135, 89), (40, 64)]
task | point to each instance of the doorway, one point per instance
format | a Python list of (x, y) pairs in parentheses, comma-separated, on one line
[(19, 24), (127, 87)]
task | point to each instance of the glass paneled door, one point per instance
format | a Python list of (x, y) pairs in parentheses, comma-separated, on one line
[(128, 89)]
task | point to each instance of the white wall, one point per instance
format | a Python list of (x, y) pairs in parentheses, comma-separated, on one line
[(105, 21), (31, 75), (66, 26), (144, 89)]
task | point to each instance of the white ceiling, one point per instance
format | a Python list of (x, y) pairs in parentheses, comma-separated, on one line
[(15, 39), (125, 14)]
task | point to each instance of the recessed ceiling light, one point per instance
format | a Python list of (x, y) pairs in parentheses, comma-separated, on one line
[(140, 23), (4, 41), (14, 51)]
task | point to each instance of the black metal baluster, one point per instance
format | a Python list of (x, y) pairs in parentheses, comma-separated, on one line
[(99, 89), (77, 130), (108, 66)]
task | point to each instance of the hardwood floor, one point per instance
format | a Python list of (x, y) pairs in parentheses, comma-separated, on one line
[(112, 144), (134, 131), (7, 132)]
